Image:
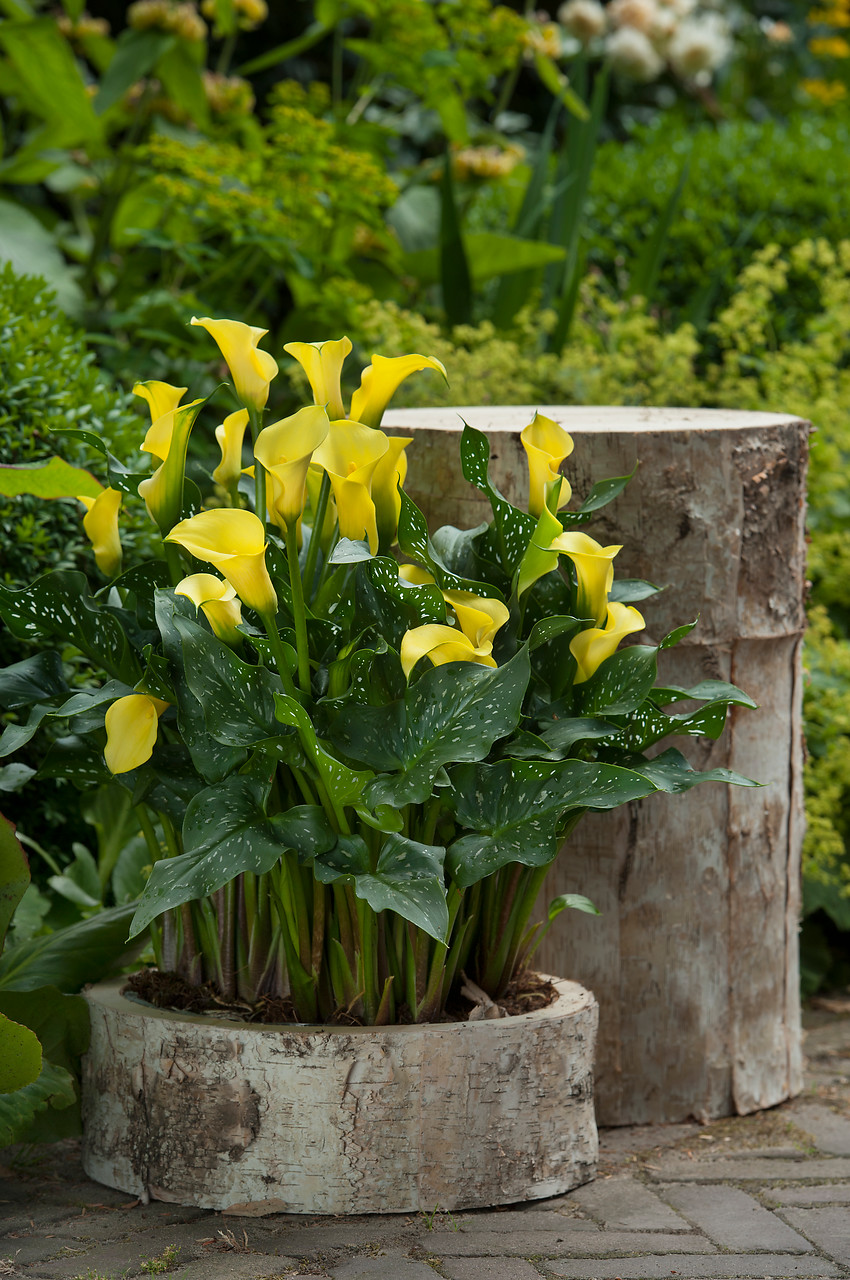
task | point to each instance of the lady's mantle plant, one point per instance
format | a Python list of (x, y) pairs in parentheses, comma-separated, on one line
[(354, 749)]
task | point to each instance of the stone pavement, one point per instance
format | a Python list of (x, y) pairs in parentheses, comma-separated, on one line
[(757, 1196)]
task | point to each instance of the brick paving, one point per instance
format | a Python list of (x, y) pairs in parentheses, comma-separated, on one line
[(764, 1196)]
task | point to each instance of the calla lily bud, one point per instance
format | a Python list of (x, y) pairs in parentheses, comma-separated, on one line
[(322, 362), (546, 445), (594, 572), (285, 449), (592, 647), (230, 435), (349, 454), (250, 368), (381, 379), (441, 644), (131, 728), (390, 472), (101, 525), (168, 439), (234, 541), (162, 400), (219, 602)]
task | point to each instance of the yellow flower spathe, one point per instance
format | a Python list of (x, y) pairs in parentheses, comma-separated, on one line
[(234, 541), (230, 435), (390, 472), (251, 369), (219, 602), (322, 362), (285, 450), (546, 444), (440, 644), (381, 379), (162, 400), (479, 617), (131, 728), (168, 439), (349, 454), (592, 647), (101, 525), (594, 572)]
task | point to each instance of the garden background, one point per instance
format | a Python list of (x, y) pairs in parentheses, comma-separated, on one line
[(641, 203)]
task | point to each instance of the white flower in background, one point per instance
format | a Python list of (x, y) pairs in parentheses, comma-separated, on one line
[(699, 46), (639, 14), (663, 24), (633, 54), (584, 19), (681, 8)]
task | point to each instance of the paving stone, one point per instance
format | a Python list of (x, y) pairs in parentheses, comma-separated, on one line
[(509, 1222), (106, 1260), (488, 1269), (735, 1266), (339, 1234), (386, 1266), (734, 1220), (829, 1228), (831, 1193), (621, 1204), (560, 1244), (236, 1266), (746, 1170), (830, 1131)]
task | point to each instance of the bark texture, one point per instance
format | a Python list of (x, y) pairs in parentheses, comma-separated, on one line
[(294, 1119), (694, 959)]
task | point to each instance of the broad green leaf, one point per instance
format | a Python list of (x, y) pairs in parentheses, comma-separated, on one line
[(79, 882), (517, 808), (349, 551), (408, 879), (53, 479), (15, 776), (672, 772), (603, 492), (620, 685), (575, 901), (20, 1055), (136, 54), (563, 734), (550, 628), (632, 590), (237, 698), (89, 951), (673, 637), (109, 811), (32, 251), (85, 704), (514, 528), (455, 280), (79, 759), (35, 679), (181, 79), (14, 875), (15, 736), (705, 691), (54, 1087), (225, 833), (61, 1022), (489, 254), (386, 604), (344, 785), (648, 725), (451, 713), (54, 86)]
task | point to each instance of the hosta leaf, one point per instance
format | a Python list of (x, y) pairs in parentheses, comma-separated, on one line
[(454, 712), (408, 880), (516, 808)]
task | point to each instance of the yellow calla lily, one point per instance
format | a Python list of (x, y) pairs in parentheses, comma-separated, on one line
[(251, 369), (390, 472), (234, 541), (168, 439), (162, 400), (594, 572), (546, 445), (230, 435), (322, 362), (415, 575), (479, 616), (381, 379), (349, 454), (131, 729), (285, 449), (101, 525), (441, 644), (221, 606), (592, 647)]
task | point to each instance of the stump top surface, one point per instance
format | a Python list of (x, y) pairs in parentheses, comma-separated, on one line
[(589, 418)]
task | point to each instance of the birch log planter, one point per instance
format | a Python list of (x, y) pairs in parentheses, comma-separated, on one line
[(694, 960), (261, 1119)]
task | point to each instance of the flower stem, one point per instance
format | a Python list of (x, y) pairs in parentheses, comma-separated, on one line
[(270, 624), (255, 419), (318, 522), (298, 610)]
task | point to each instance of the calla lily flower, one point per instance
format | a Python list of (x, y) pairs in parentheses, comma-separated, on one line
[(416, 576), (594, 572), (546, 445), (390, 472), (441, 644), (592, 647), (162, 399), (285, 449), (168, 439), (349, 454), (381, 379), (221, 606), (479, 616), (322, 362), (234, 541), (101, 525), (230, 435), (251, 369), (131, 728)]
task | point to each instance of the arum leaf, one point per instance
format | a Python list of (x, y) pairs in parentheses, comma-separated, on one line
[(621, 684), (392, 607), (408, 879), (549, 628), (576, 901), (603, 492), (53, 479), (706, 690), (672, 772), (349, 551), (344, 785), (673, 637), (632, 590), (561, 735), (35, 679), (515, 528)]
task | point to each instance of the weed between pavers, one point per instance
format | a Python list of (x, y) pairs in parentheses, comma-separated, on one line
[(165, 1261)]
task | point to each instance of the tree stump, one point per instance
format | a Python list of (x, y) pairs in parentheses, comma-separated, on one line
[(694, 960)]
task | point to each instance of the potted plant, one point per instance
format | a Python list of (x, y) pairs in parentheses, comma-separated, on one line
[(354, 749)]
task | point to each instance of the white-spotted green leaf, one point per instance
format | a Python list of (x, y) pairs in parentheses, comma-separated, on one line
[(621, 683), (407, 879), (343, 784), (672, 772), (36, 679)]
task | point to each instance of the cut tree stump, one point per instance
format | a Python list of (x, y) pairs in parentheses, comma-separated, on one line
[(694, 959)]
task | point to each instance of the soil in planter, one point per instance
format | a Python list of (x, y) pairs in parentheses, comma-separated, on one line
[(526, 993)]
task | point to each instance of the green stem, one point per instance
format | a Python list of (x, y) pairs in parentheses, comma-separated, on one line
[(172, 839), (318, 523), (270, 623), (175, 564), (298, 610), (148, 832), (256, 420), (367, 952), (222, 66)]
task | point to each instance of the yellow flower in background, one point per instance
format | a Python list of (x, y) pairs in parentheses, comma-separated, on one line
[(285, 449), (441, 644), (131, 728), (234, 541), (322, 362), (381, 379), (546, 444), (219, 602), (390, 472), (230, 435), (827, 92), (594, 572), (592, 647), (349, 454), (252, 370), (101, 525), (830, 47)]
